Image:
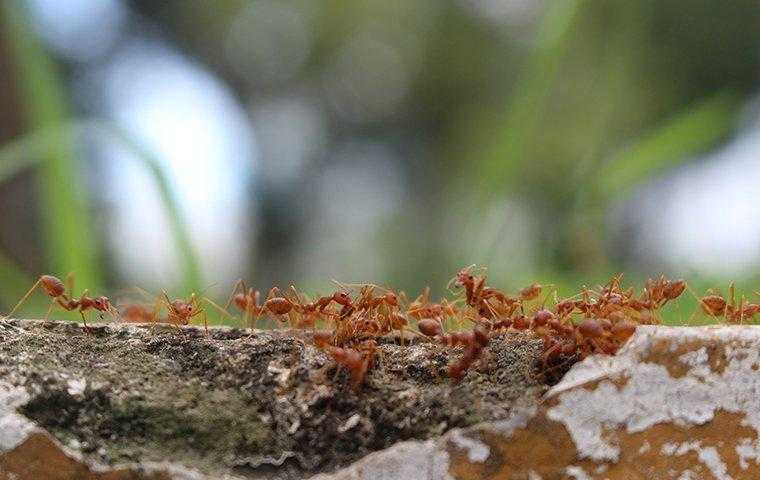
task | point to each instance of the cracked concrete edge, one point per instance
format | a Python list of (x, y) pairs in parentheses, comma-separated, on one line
[(423, 460), (676, 402)]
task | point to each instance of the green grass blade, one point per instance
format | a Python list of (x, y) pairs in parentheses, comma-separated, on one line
[(502, 161), (15, 282), (24, 152), (699, 127), (192, 278), (68, 238)]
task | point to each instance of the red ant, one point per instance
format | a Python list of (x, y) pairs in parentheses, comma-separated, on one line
[(530, 292), (56, 289), (358, 360), (718, 306), (310, 312), (137, 313), (247, 300), (180, 311), (279, 305)]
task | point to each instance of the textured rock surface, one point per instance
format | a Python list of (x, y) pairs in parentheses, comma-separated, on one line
[(111, 402), (675, 403)]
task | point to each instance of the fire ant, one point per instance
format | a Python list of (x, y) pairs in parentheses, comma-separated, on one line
[(137, 313), (358, 360), (276, 304), (310, 312), (247, 300), (717, 306), (180, 311), (531, 292), (368, 302), (279, 305), (56, 289), (421, 308), (474, 342)]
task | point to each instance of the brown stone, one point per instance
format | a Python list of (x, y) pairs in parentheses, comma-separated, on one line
[(675, 403)]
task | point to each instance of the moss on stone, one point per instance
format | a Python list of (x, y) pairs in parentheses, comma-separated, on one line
[(247, 402)]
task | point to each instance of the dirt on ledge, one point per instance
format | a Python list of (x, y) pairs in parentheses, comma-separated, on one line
[(256, 404)]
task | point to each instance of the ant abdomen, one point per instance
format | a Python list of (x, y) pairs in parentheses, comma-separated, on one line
[(53, 286)]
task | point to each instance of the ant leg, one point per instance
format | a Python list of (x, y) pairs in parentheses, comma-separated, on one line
[(156, 313), (114, 313), (247, 318), (219, 308), (84, 320), (50, 309), (234, 291), (205, 323), (25, 297)]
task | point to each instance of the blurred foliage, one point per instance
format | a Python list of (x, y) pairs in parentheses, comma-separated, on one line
[(29, 151), (69, 238), (696, 129), (550, 114)]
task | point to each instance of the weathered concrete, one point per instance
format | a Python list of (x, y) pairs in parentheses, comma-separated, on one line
[(110, 402), (675, 403)]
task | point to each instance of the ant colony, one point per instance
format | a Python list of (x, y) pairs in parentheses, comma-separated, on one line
[(349, 324)]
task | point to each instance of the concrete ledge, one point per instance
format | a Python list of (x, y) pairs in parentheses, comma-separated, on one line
[(675, 403), (112, 401)]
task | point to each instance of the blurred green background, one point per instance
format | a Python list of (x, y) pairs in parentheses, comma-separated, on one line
[(185, 144)]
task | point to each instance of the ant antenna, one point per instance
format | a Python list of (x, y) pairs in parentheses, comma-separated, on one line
[(240, 282), (343, 286), (219, 308), (70, 283), (26, 296)]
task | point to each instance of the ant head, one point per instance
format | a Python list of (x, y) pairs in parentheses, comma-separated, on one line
[(464, 277), (101, 303), (713, 305), (591, 328), (342, 298), (615, 298), (182, 308), (674, 289), (530, 292), (391, 299), (542, 317)]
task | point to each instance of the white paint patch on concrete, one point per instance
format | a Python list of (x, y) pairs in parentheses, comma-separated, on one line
[(649, 395), (413, 459), (577, 473), (477, 451), (14, 428), (76, 387), (645, 447), (711, 458), (518, 419), (698, 361), (671, 449), (748, 449)]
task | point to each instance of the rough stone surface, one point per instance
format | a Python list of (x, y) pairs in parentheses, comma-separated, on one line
[(119, 401), (675, 403)]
